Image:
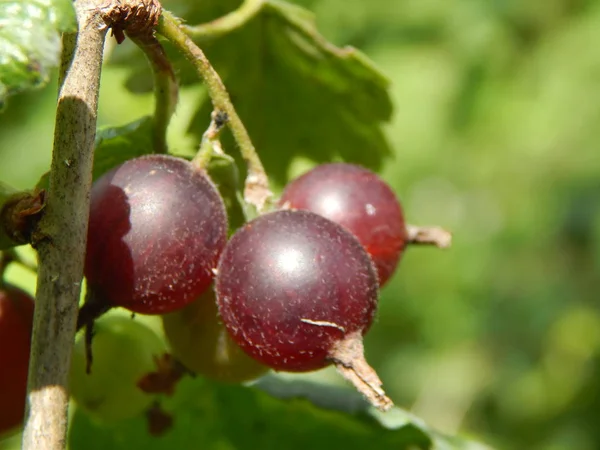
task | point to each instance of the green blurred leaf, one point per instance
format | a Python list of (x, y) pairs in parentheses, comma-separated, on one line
[(297, 93), (214, 416), (350, 402), (30, 42), (115, 145)]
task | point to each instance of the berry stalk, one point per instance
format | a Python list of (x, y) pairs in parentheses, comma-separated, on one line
[(165, 87), (256, 191), (228, 23)]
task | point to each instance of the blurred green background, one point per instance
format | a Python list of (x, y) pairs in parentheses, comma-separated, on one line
[(496, 136)]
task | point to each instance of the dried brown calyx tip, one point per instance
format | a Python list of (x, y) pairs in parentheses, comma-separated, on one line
[(219, 119), (349, 359), (256, 191), (159, 421), (164, 380), (134, 17), (429, 236)]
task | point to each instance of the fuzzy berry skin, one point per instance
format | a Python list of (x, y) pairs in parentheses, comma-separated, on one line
[(290, 285), (16, 322), (359, 200), (157, 227)]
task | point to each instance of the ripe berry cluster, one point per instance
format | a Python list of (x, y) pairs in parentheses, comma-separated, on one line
[(294, 289)]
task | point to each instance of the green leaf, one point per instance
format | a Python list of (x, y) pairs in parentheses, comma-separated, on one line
[(214, 416), (115, 145), (351, 402), (297, 93), (30, 42), (300, 95)]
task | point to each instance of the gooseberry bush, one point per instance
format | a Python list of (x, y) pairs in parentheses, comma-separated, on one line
[(210, 270)]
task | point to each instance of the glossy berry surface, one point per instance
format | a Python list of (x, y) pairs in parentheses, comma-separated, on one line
[(124, 351), (201, 343), (359, 200), (156, 230), (16, 321), (290, 284)]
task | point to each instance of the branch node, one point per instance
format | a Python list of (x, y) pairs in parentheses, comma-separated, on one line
[(134, 17), (21, 213)]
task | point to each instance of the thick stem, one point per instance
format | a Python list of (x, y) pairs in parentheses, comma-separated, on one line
[(165, 87), (61, 235), (228, 23), (256, 190), (429, 236)]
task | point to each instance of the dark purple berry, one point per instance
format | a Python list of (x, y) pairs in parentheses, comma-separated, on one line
[(16, 323), (359, 200), (297, 292), (157, 227)]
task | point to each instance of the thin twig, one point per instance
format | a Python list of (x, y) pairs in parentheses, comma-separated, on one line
[(227, 23), (165, 87), (62, 232), (256, 191), (429, 236)]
